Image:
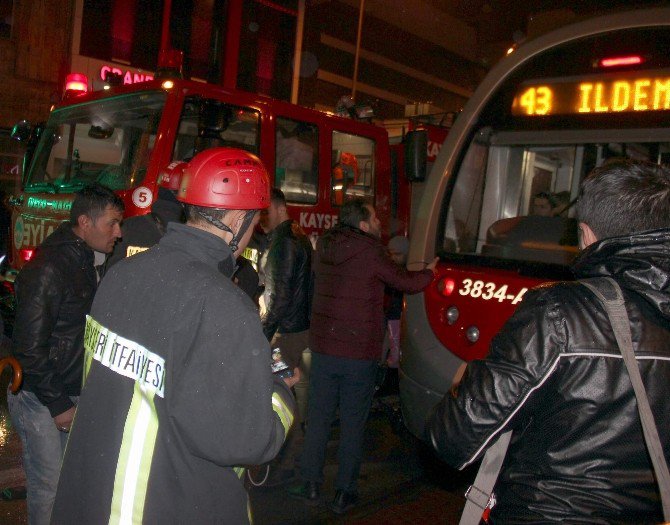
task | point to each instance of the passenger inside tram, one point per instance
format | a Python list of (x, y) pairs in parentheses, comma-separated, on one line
[(543, 235)]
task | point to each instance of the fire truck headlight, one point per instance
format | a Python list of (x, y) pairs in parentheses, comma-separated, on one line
[(452, 315), (472, 334)]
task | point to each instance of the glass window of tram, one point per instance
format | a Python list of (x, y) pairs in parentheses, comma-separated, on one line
[(517, 201)]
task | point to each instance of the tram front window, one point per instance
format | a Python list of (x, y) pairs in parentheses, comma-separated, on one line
[(515, 201)]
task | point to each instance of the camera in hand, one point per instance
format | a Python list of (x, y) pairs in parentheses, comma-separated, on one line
[(279, 367)]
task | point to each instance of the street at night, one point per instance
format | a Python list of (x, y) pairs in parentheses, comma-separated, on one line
[(400, 482), (224, 223)]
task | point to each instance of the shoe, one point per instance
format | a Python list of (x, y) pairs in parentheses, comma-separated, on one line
[(308, 492), (344, 501)]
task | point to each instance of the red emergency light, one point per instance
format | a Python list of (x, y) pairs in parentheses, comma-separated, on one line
[(170, 64), (631, 60), (75, 84), (26, 254)]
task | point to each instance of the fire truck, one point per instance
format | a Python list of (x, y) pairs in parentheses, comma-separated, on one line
[(125, 137)]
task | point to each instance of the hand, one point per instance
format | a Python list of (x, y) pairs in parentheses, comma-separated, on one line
[(432, 266), (63, 421), (290, 381)]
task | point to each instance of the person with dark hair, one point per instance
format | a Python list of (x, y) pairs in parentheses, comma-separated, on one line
[(351, 268), (287, 266), (554, 374), (285, 306), (178, 390), (54, 293), (543, 204)]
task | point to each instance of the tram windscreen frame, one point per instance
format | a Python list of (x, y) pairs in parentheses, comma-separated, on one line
[(469, 236)]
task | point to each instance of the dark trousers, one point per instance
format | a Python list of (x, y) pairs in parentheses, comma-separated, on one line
[(349, 384)]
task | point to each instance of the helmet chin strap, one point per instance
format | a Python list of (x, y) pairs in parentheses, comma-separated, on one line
[(235, 241)]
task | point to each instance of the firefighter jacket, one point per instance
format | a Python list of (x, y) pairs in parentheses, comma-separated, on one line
[(288, 274), (178, 394), (555, 376), (54, 292), (351, 269), (141, 232)]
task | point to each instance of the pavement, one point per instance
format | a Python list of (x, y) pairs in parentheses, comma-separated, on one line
[(400, 483)]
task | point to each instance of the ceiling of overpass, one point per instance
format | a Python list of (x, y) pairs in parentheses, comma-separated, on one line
[(480, 30)]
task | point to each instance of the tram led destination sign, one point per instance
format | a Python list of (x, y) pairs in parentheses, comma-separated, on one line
[(643, 92)]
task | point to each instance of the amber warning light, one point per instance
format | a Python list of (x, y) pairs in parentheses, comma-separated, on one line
[(632, 60)]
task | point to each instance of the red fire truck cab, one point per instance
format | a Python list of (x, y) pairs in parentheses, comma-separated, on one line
[(124, 137)]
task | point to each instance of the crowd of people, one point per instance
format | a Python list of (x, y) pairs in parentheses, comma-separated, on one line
[(163, 355)]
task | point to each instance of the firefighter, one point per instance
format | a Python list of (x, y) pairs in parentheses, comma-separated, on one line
[(141, 232), (178, 390)]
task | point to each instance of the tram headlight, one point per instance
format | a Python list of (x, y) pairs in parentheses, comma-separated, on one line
[(472, 334), (451, 315)]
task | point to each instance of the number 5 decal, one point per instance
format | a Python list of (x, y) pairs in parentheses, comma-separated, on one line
[(142, 197)]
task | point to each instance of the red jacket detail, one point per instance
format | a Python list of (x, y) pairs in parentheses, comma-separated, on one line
[(351, 269)]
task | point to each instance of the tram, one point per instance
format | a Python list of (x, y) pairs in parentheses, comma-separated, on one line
[(543, 118)]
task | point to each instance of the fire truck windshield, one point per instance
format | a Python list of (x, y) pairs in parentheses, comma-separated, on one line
[(107, 141)]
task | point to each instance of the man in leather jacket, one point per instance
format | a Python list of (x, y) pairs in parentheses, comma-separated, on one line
[(54, 294), (555, 377), (287, 265)]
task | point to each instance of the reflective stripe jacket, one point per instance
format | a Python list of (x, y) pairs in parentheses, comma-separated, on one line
[(178, 393), (555, 376)]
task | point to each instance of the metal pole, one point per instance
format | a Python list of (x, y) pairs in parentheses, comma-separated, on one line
[(358, 49), (297, 59), (165, 32)]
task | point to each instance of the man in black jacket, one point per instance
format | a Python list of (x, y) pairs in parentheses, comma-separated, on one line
[(54, 293), (554, 374), (287, 265)]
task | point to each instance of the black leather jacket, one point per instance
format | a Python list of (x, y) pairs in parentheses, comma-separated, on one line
[(288, 269), (54, 294), (555, 376)]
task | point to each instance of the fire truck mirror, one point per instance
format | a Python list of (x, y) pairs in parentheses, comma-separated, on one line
[(21, 131), (416, 155)]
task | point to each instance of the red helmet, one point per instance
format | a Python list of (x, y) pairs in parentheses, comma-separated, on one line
[(170, 177), (225, 178)]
